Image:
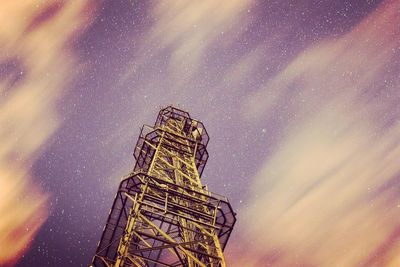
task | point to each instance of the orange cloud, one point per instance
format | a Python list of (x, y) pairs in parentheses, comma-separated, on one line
[(327, 196), (35, 65)]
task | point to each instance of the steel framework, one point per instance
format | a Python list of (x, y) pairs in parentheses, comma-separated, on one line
[(162, 215)]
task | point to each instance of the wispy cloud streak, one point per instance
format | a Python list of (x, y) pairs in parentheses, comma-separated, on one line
[(328, 195), (35, 65)]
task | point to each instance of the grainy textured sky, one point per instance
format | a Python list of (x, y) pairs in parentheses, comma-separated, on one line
[(301, 100)]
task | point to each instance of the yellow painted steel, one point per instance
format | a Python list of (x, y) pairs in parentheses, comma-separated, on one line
[(178, 168)]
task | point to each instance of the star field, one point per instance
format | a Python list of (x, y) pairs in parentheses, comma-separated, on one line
[(300, 99)]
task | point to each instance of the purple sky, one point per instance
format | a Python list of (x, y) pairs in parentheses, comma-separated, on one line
[(300, 99)]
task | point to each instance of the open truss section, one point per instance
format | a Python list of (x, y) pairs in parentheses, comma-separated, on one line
[(162, 215)]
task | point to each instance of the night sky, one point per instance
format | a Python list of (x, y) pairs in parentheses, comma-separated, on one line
[(301, 100)]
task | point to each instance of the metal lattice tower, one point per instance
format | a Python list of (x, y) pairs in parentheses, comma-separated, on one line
[(162, 214)]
